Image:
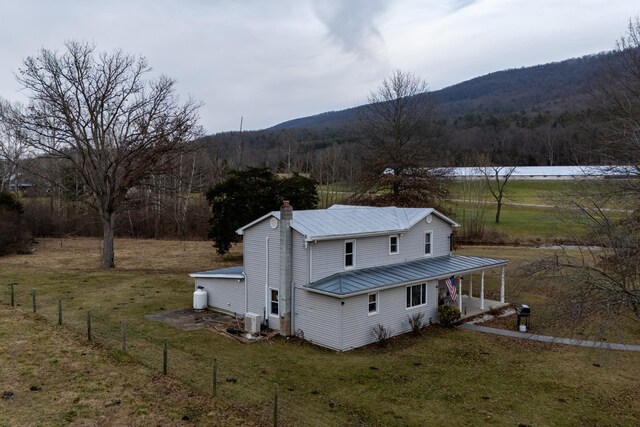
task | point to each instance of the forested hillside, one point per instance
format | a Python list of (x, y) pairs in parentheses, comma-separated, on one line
[(537, 115)]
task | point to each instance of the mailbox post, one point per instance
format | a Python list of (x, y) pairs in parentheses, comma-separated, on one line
[(524, 315)]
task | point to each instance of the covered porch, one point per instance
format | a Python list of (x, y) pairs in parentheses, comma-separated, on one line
[(472, 302)]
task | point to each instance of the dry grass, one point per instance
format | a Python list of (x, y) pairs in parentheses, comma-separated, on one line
[(83, 254), (58, 379), (414, 381)]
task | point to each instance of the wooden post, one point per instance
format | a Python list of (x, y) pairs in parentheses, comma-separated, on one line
[(470, 286), (33, 299), (89, 325), (59, 312), (164, 357), (214, 378), (275, 405), (13, 294), (460, 294), (482, 291), (502, 286), (123, 337)]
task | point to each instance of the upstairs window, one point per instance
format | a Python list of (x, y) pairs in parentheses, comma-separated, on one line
[(274, 302), (349, 253), (394, 247), (428, 243)]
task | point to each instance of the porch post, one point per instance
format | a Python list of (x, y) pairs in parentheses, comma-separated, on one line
[(502, 286), (482, 291), (470, 285), (460, 294)]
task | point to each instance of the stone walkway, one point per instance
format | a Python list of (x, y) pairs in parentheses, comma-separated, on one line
[(553, 340)]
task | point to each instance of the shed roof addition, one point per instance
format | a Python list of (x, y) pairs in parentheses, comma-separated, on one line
[(235, 272), (367, 279), (345, 221)]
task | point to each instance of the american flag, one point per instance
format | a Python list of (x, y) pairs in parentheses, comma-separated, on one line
[(451, 285)]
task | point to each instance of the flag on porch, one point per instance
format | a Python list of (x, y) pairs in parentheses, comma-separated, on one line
[(451, 285)]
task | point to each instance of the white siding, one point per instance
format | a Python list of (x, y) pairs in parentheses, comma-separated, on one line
[(255, 244), (318, 318), (224, 294), (393, 314), (300, 260), (328, 256)]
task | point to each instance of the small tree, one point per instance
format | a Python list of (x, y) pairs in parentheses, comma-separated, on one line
[(246, 195), (496, 178)]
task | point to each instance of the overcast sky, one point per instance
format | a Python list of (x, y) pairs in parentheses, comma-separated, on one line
[(275, 60)]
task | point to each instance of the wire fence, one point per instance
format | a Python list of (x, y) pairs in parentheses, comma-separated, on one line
[(143, 344)]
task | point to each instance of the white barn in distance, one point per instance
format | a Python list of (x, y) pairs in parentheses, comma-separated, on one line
[(548, 172), (330, 275)]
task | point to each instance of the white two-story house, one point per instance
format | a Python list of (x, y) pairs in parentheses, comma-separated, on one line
[(331, 275)]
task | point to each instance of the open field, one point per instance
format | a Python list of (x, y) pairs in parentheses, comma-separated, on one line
[(448, 377)]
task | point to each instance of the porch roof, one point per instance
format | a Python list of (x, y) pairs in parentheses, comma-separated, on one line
[(367, 279)]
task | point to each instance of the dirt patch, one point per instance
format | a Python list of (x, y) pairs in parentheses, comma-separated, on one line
[(189, 319)]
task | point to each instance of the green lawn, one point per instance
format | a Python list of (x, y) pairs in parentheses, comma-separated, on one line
[(446, 377)]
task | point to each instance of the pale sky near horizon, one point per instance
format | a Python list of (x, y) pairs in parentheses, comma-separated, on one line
[(275, 60)]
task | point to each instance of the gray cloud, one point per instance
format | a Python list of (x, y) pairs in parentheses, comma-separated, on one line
[(352, 24)]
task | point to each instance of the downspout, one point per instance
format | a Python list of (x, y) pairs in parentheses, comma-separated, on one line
[(246, 293), (266, 283)]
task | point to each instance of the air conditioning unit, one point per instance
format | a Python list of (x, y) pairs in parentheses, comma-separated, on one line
[(252, 323)]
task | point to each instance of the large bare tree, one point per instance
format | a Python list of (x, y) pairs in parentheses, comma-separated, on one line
[(110, 122), (399, 130)]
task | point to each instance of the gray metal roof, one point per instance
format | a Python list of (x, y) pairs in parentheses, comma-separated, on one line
[(235, 272), (367, 279), (341, 221)]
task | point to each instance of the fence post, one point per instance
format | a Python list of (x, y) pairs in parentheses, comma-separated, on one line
[(33, 299), (275, 405), (59, 312), (164, 357), (214, 378), (89, 325), (13, 294), (123, 337)]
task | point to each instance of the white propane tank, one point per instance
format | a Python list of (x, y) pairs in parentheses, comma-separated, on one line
[(199, 298)]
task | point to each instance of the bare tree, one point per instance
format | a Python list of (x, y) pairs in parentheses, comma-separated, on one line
[(496, 178), (399, 131), (12, 147), (111, 125), (618, 99), (473, 203), (599, 277)]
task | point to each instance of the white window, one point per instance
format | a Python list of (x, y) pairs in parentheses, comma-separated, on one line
[(428, 243), (394, 243), (274, 302), (373, 303), (349, 253), (416, 295)]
